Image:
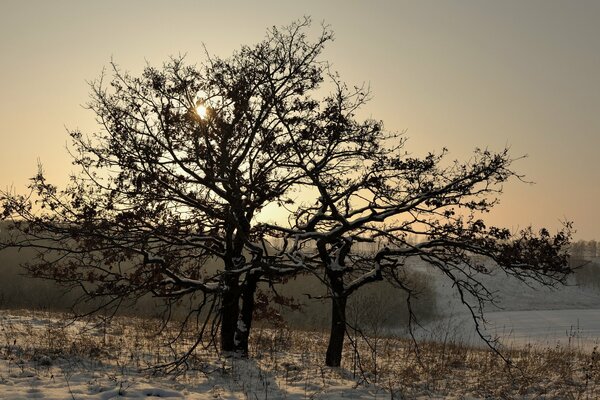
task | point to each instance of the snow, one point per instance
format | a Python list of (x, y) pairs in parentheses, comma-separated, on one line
[(42, 357), (580, 328), (573, 329), (537, 315), (368, 275)]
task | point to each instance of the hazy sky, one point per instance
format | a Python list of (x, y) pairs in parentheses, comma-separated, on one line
[(459, 74)]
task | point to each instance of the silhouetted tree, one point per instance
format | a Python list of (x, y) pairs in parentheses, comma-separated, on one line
[(185, 159), (170, 189), (369, 191)]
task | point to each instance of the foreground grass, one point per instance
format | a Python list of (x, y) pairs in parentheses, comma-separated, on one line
[(97, 359)]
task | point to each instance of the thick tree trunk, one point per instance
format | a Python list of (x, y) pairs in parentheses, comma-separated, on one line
[(230, 310), (333, 358), (244, 324), (335, 274)]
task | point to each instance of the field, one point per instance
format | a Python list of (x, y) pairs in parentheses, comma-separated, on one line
[(44, 356), (569, 316), (550, 336)]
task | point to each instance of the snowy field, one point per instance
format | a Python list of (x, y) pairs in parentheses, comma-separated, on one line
[(578, 329), (549, 335), (42, 358), (539, 316)]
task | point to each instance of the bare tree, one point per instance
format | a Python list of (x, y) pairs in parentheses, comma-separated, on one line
[(169, 190), (371, 191), (185, 159)]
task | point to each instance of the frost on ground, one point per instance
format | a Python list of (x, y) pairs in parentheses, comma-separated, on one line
[(523, 314), (41, 357)]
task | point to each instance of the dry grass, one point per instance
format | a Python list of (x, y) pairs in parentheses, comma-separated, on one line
[(388, 367), (445, 369)]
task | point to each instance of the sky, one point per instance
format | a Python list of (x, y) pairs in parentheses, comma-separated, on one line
[(455, 74)]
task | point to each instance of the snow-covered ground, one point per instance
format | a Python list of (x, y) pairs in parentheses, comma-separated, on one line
[(577, 328), (524, 315), (66, 381), (42, 358)]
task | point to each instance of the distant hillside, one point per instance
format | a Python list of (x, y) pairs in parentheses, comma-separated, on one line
[(376, 300), (514, 295)]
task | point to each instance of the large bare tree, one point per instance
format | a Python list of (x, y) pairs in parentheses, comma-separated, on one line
[(170, 189), (184, 160)]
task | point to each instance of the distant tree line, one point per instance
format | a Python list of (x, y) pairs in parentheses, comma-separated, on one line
[(585, 261), (584, 250)]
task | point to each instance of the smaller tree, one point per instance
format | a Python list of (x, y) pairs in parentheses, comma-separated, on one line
[(371, 191)]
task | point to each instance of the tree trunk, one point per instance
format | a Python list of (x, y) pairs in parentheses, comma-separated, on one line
[(244, 324), (230, 310), (333, 357), (335, 275)]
